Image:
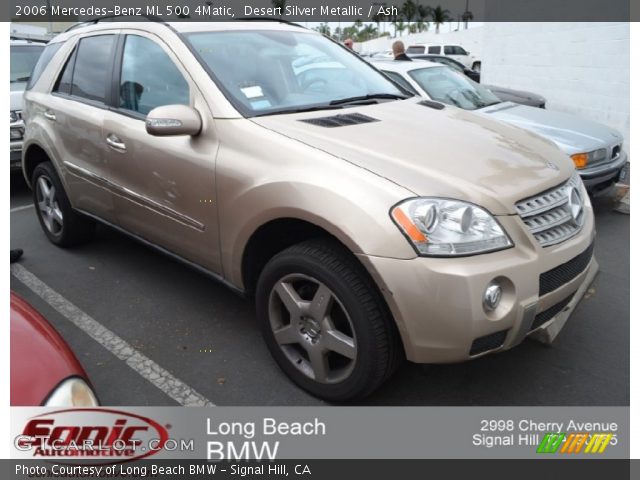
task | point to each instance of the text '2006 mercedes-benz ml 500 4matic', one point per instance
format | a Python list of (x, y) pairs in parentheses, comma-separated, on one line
[(368, 225)]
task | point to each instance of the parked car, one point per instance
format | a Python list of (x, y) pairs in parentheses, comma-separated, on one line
[(24, 55), (517, 96), (44, 370), (449, 62), (387, 54), (368, 225), (455, 52), (595, 149), (505, 94)]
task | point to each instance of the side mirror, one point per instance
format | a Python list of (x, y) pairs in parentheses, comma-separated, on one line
[(173, 120)]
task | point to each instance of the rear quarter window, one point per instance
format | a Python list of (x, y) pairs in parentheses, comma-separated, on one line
[(92, 69), (45, 57)]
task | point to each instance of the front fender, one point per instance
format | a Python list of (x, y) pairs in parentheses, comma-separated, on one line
[(256, 185)]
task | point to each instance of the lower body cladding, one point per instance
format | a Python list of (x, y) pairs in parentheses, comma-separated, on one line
[(438, 303)]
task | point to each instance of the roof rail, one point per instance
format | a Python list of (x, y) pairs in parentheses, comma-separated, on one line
[(110, 18), (269, 19)]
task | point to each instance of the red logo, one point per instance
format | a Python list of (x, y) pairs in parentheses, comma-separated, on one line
[(92, 433)]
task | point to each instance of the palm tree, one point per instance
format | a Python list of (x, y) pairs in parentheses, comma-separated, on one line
[(424, 12), (400, 26), (324, 29), (378, 17), (440, 16), (466, 18), (421, 26), (368, 32), (279, 4), (409, 10)]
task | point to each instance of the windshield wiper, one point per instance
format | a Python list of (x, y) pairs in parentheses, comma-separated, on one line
[(20, 79), (371, 96), (313, 108)]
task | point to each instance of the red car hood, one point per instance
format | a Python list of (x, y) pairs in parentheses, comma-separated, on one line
[(40, 358)]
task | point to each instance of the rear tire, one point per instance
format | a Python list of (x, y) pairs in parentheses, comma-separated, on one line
[(61, 224), (325, 323)]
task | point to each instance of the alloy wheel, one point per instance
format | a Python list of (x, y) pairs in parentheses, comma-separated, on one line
[(48, 207), (312, 328)]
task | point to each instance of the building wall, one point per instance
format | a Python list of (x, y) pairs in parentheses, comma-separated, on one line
[(581, 68)]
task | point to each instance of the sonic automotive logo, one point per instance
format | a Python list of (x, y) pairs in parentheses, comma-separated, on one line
[(92, 432), (575, 443)]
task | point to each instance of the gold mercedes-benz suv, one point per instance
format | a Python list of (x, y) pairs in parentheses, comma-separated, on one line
[(368, 225)]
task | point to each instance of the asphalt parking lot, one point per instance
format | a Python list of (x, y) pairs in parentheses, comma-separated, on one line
[(203, 337)]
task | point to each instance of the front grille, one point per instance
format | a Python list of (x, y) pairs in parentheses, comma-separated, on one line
[(543, 317), (555, 215), (558, 276), (340, 120), (488, 342)]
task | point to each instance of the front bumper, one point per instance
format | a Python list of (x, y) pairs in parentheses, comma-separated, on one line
[(601, 175), (15, 147), (437, 302), (15, 156)]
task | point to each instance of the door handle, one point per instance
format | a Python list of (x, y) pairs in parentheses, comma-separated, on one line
[(49, 115), (116, 143)]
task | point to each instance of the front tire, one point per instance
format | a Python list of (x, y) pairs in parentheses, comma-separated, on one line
[(61, 224), (324, 322)]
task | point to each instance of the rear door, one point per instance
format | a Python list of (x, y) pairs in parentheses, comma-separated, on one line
[(165, 185), (76, 110)]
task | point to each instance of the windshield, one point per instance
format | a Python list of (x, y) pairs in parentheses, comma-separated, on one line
[(266, 72), (448, 86), (23, 59)]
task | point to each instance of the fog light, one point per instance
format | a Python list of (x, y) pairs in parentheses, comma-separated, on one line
[(492, 296)]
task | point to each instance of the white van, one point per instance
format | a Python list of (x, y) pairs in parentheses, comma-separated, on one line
[(457, 52)]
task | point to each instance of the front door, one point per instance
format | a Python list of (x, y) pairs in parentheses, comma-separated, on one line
[(165, 186)]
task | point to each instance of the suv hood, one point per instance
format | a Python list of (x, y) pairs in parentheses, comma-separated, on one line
[(571, 133), (448, 153)]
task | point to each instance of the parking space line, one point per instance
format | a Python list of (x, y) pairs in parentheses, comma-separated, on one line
[(22, 207), (141, 364)]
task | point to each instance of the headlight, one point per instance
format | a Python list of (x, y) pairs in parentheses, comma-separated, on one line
[(13, 116), (581, 160), (449, 228), (73, 392)]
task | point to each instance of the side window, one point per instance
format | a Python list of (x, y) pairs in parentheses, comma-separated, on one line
[(435, 49), (149, 78), (46, 56), (92, 67), (415, 49), (63, 84), (396, 77)]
